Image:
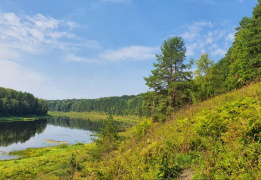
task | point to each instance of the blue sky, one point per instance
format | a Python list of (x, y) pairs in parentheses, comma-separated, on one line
[(98, 48)]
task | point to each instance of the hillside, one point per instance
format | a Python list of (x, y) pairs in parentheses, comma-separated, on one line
[(215, 139)]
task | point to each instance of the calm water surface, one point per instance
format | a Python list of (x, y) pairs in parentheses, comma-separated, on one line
[(21, 135)]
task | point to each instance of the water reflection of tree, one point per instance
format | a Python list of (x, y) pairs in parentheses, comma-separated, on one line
[(85, 124), (76, 123), (20, 131)]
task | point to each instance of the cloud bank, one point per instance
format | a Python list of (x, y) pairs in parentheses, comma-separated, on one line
[(207, 37)]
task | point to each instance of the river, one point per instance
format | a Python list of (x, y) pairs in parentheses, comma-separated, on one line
[(21, 135)]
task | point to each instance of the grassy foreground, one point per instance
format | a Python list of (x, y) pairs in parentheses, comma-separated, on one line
[(216, 139), (58, 162)]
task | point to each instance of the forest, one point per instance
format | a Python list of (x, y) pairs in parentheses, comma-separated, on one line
[(16, 103), (124, 105)]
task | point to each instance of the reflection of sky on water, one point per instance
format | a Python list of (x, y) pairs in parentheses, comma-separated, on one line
[(51, 132)]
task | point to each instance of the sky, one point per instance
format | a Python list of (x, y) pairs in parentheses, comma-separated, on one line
[(64, 49)]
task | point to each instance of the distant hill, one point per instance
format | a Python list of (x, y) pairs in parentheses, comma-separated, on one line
[(124, 105), (16, 103)]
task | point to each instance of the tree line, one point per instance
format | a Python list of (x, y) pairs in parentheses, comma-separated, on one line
[(16, 103), (124, 105), (174, 86)]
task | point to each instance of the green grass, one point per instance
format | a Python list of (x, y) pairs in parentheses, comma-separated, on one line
[(216, 139), (93, 116), (49, 163)]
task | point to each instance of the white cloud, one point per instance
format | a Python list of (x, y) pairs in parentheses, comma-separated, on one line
[(188, 35), (6, 53), (230, 37), (191, 49), (73, 57), (209, 38), (204, 36), (219, 52), (195, 29), (129, 53), (39, 34), (219, 34), (213, 46), (21, 36)]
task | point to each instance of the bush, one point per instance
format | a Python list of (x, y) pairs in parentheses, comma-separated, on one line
[(142, 128), (108, 137)]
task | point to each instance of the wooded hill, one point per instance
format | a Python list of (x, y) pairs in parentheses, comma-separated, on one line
[(16, 103), (124, 105)]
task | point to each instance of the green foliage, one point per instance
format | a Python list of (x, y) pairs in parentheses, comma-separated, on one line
[(15, 103), (243, 23), (70, 168), (156, 105), (124, 105), (203, 65), (108, 136), (142, 128), (242, 61), (58, 162), (203, 86), (168, 170), (169, 79), (218, 139), (169, 67)]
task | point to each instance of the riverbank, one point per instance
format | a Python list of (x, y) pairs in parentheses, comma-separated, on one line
[(84, 115), (24, 118), (49, 163), (93, 116)]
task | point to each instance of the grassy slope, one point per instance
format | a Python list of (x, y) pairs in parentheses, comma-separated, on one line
[(216, 139)]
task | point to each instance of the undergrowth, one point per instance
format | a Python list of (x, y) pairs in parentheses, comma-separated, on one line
[(217, 139)]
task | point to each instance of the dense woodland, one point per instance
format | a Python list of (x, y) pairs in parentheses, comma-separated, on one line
[(16, 103), (124, 105)]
